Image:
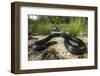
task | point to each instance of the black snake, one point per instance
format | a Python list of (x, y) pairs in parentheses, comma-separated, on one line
[(72, 43)]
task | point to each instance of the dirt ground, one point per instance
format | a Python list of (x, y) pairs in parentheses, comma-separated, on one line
[(54, 52)]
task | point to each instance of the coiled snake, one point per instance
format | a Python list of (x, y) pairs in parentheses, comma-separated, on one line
[(72, 43)]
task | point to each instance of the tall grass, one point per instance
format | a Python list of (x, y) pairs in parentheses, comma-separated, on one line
[(43, 29), (76, 26), (44, 24)]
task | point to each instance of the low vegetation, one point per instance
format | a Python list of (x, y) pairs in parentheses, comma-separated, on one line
[(44, 24)]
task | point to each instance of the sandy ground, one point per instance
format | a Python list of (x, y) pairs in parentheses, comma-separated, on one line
[(54, 52)]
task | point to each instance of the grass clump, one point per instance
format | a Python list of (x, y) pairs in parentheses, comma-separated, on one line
[(43, 29), (76, 26)]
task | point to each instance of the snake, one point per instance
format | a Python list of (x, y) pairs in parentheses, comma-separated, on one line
[(43, 46), (73, 44)]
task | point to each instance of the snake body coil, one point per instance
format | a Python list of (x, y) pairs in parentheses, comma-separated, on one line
[(73, 44)]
